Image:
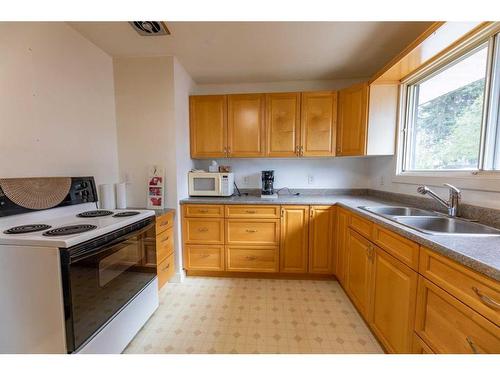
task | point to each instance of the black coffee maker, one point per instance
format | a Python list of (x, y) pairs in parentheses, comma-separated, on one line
[(267, 182)]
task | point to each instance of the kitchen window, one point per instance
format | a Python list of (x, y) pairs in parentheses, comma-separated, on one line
[(451, 113)]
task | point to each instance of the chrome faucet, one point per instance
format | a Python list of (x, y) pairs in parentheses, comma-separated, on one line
[(453, 201)]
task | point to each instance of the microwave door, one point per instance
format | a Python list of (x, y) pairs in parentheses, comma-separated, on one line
[(206, 185)]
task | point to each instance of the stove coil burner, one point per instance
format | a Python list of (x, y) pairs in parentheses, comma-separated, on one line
[(126, 213), (27, 228), (70, 229), (96, 213)]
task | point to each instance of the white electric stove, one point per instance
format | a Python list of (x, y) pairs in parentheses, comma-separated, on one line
[(73, 278)]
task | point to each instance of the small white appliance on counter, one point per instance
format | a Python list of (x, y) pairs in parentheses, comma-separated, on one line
[(210, 184), (73, 278)]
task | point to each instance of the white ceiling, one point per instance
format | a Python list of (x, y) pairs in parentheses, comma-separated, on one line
[(238, 52)]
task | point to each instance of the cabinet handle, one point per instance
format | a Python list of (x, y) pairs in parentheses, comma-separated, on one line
[(301, 150), (297, 150), (311, 213), (251, 230), (204, 255), (250, 257), (228, 150), (204, 229), (472, 345), (165, 239), (202, 211), (164, 223), (488, 301), (250, 211)]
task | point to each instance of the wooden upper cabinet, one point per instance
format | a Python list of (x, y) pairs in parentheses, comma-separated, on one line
[(246, 125), (208, 126), (320, 240), (318, 123), (294, 239), (283, 124), (352, 120)]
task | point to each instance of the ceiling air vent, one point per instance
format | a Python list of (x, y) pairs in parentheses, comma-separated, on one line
[(150, 28)]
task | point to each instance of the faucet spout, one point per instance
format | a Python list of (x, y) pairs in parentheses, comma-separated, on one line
[(451, 205)]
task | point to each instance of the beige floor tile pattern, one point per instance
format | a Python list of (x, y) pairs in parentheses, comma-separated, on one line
[(237, 315)]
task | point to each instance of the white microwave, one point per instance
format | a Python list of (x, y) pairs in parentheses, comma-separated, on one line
[(210, 184)]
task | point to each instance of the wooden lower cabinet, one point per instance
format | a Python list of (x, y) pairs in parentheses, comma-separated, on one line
[(166, 270), (392, 307), (253, 232), (342, 226), (320, 239), (448, 326), (419, 346), (159, 250), (294, 244), (358, 270), (204, 257), (252, 259)]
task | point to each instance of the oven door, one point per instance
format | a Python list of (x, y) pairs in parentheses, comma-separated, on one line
[(101, 276), (204, 184)]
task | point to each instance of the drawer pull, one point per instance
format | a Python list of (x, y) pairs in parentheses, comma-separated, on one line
[(204, 256), (250, 257), (165, 239), (472, 345), (202, 211), (488, 301), (166, 267), (251, 230), (164, 223), (250, 211), (204, 229)]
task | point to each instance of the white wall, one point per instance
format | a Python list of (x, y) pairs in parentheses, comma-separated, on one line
[(144, 92), (334, 173), (475, 190), (56, 104)]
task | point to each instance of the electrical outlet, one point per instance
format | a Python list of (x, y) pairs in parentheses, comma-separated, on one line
[(246, 180), (310, 179)]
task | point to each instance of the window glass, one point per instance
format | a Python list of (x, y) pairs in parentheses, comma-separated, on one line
[(446, 110)]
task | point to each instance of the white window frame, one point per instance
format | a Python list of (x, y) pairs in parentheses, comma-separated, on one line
[(466, 178)]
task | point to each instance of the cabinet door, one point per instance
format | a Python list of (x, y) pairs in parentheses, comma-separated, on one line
[(358, 271), (393, 299), (294, 239), (341, 241), (283, 124), (318, 123), (352, 120), (246, 125), (208, 126), (320, 240)]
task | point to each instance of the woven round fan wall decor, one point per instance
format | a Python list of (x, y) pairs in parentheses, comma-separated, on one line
[(36, 193)]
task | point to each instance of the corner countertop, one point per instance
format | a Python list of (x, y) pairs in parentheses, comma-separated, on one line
[(481, 254)]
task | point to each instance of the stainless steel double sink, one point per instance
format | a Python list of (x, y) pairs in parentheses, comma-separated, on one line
[(430, 222)]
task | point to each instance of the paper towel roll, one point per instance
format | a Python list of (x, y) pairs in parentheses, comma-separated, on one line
[(121, 195), (107, 196)]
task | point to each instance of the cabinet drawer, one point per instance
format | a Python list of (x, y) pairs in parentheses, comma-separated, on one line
[(166, 270), (204, 257), (399, 247), (203, 231), (251, 260), (248, 212), (203, 210), (449, 327), (164, 222), (362, 226), (258, 232), (477, 291), (164, 244)]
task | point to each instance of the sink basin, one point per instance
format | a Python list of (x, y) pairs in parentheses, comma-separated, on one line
[(445, 225), (399, 211)]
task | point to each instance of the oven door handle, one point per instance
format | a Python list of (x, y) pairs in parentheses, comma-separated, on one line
[(106, 246)]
